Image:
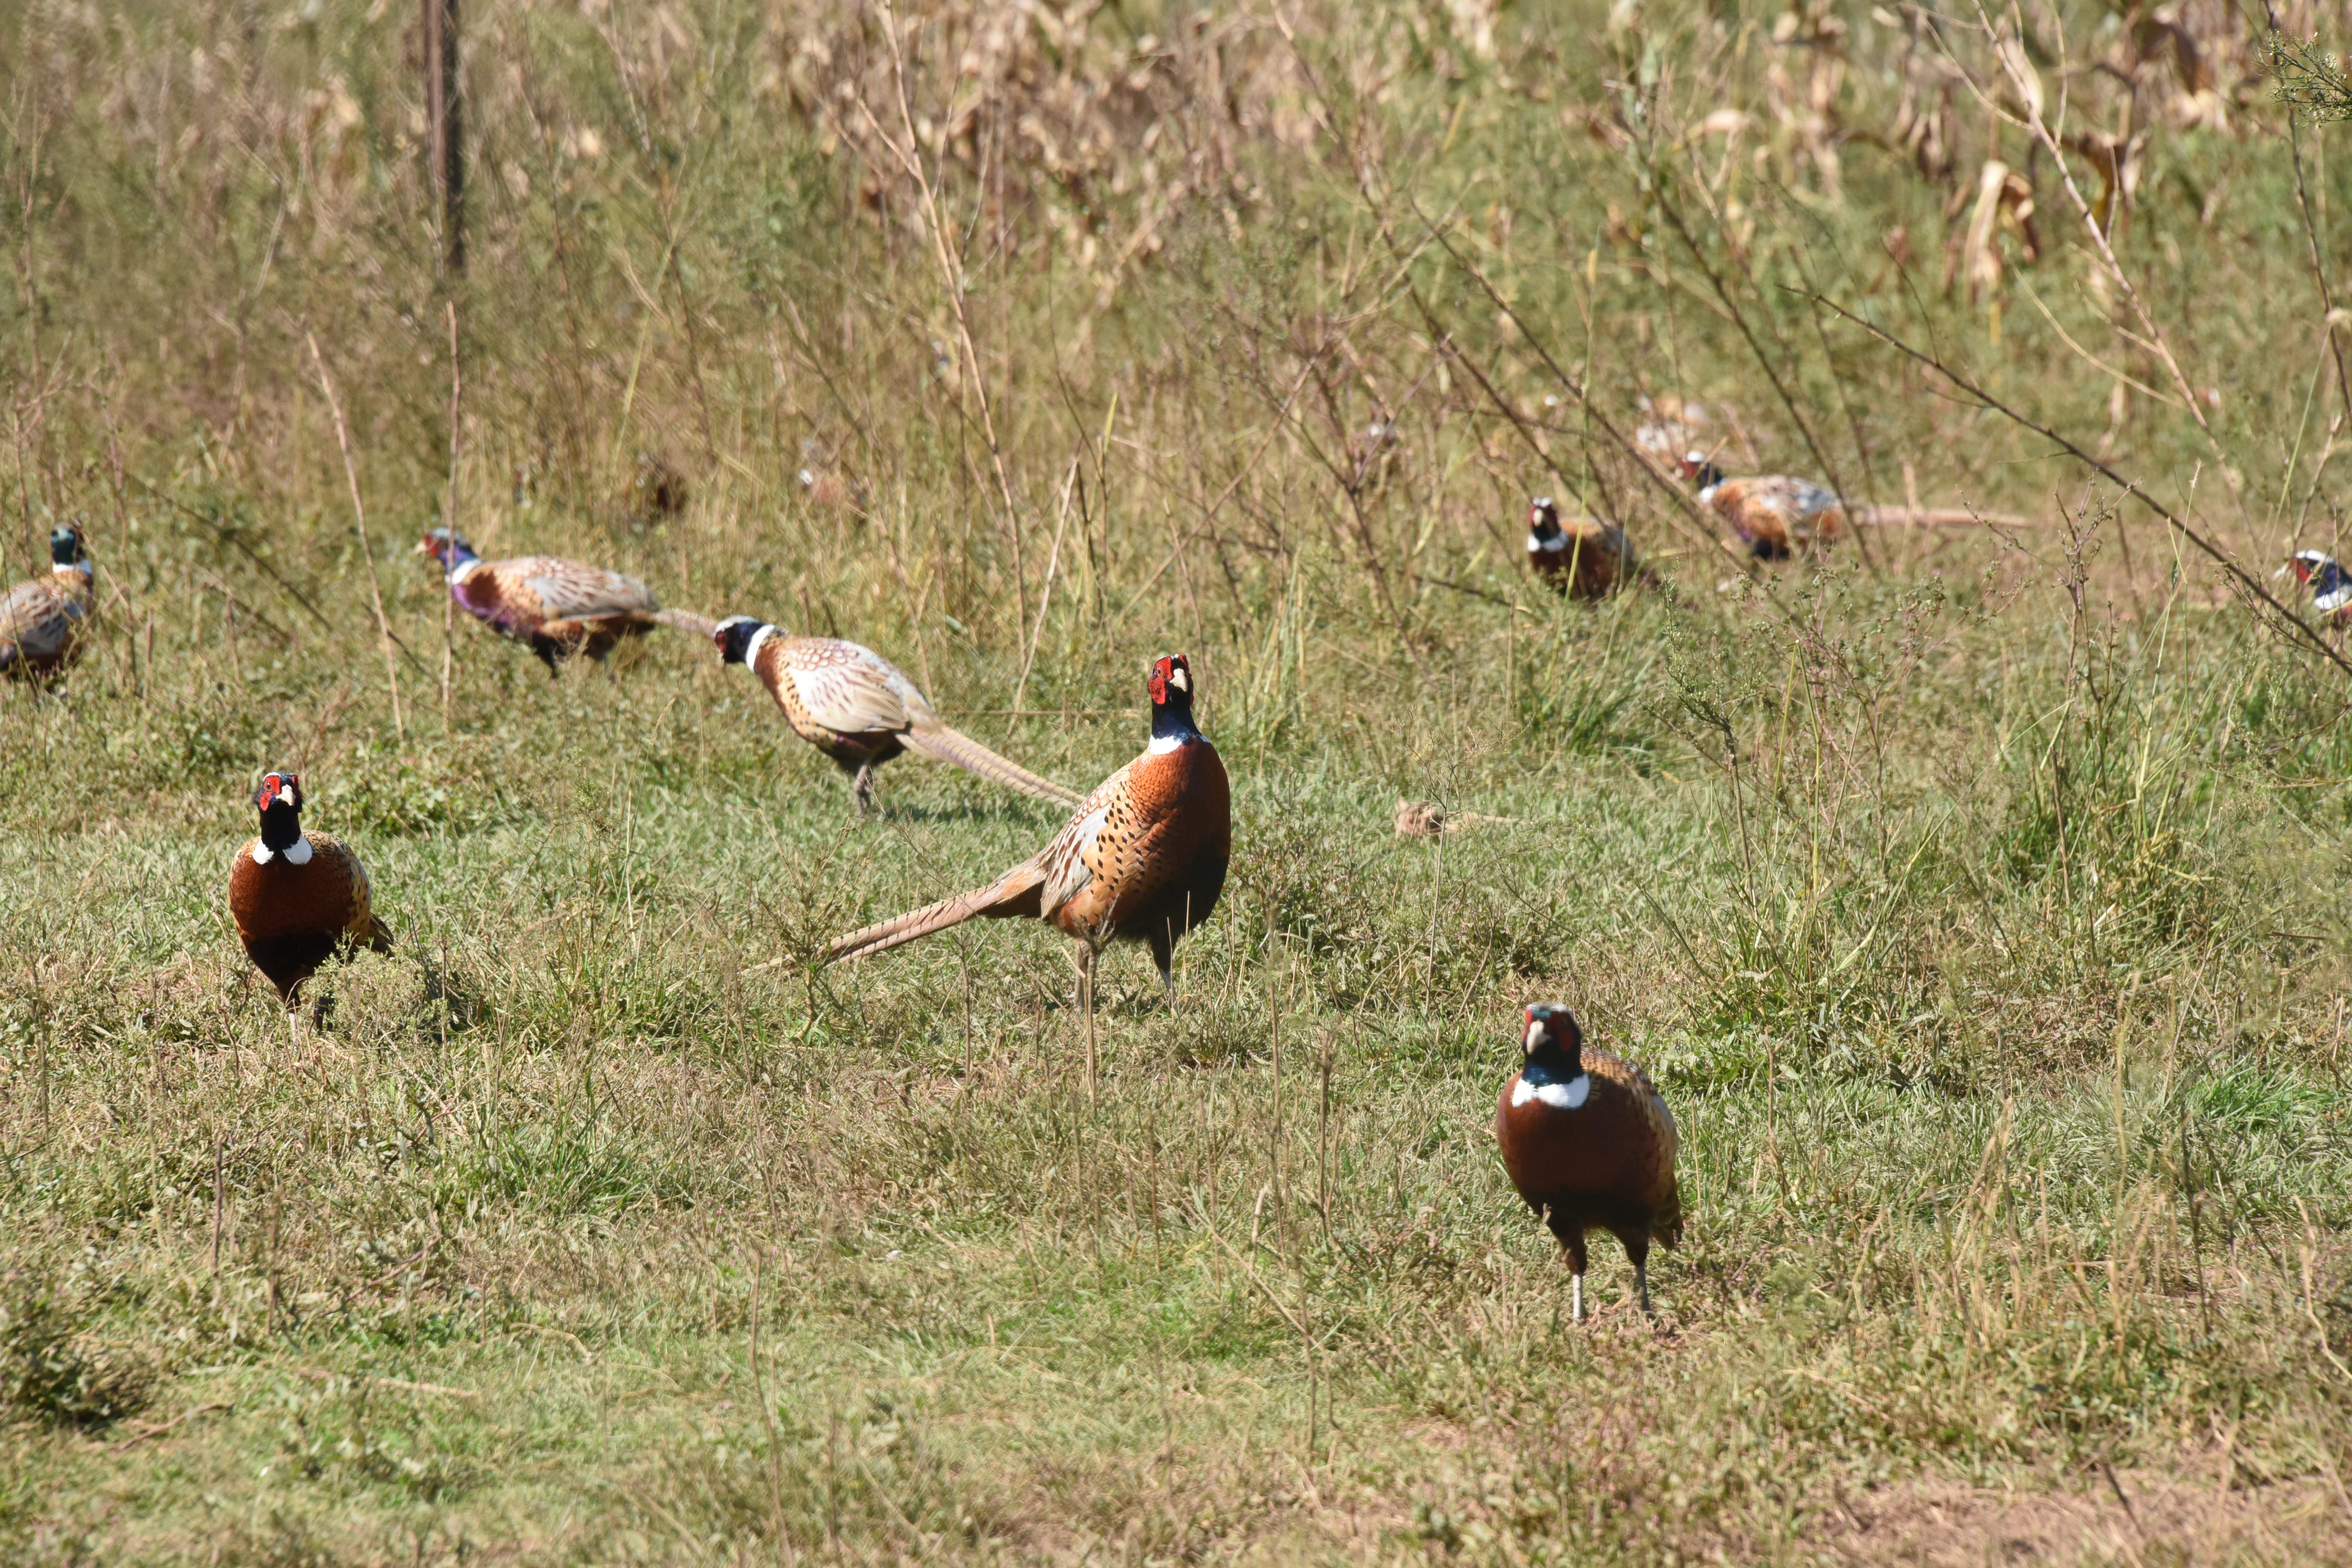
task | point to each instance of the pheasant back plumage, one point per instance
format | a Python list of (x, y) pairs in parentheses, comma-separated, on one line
[(1777, 515), (560, 607), (845, 700), (41, 622)]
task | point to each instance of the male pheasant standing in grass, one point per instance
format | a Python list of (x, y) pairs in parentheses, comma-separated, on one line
[(41, 621), (558, 607), (298, 898), (860, 710), (1580, 557), (1774, 515), (1142, 861), (1590, 1145), (2331, 590)]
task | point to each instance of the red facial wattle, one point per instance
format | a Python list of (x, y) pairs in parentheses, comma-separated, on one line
[(1158, 685)]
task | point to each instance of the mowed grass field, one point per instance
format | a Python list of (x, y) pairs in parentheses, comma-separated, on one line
[(1977, 898)]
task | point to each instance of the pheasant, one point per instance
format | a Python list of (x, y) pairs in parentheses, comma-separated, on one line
[(1143, 859), (298, 898), (41, 622), (1774, 515), (560, 607), (1590, 1145), (1580, 557), (860, 710), (2331, 589)]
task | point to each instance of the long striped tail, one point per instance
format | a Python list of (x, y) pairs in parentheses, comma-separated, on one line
[(1017, 892), (689, 622), (1933, 517), (960, 750)]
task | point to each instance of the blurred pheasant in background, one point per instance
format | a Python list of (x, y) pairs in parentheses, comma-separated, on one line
[(1143, 859), (860, 710), (656, 491), (2331, 590), (41, 621), (1580, 557), (1590, 1145), (1774, 515), (559, 608), (298, 898)]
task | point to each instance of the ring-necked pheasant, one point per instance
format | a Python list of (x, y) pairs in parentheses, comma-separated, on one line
[(558, 607), (1774, 515), (41, 621), (2331, 590), (1590, 1145), (298, 898), (1142, 861), (860, 710), (1580, 557)]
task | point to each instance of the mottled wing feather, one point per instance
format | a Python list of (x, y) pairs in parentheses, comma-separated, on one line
[(573, 590), (360, 923), (1802, 509), (36, 620), (850, 690), (1071, 860), (1664, 1137)]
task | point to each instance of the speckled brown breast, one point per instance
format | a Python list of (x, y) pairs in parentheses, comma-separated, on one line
[(292, 918), (1161, 851), (1615, 1152)]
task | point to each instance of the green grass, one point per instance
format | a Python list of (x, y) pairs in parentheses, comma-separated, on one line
[(1979, 905)]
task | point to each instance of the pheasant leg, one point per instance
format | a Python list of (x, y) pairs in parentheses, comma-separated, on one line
[(1086, 1001)]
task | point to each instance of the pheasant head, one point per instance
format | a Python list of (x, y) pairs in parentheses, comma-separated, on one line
[(1553, 1034), (2312, 568), (1700, 470), (66, 552), (450, 548), (1543, 524), (1172, 703), (738, 638), (279, 802)]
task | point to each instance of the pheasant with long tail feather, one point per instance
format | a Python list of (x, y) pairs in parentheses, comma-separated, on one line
[(1143, 859), (559, 608), (860, 710)]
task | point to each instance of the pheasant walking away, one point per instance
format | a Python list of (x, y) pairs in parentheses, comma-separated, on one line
[(298, 898), (1590, 1145), (1143, 859), (41, 622), (860, 710), (558, 607)]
